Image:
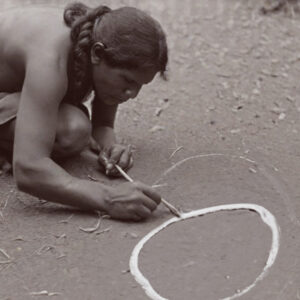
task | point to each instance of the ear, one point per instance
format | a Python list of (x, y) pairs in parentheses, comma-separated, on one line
[(97, 52)]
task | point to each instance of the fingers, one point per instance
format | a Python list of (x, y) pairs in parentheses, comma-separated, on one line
[(134, 213), (149, 192), (135, 218), (122, 156), (142, 213), (149, 203), (133, 201), (125, 160), (115, 153), (118, 154), (145, 207), (139, 213), (103, 160)]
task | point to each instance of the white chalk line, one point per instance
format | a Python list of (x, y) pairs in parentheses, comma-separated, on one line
[(183, 161), (274, 182), (265, 215)]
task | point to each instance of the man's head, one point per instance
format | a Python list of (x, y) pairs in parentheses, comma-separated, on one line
[(127, 42)]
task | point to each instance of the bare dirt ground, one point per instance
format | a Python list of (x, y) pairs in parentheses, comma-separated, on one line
[(233, 90)]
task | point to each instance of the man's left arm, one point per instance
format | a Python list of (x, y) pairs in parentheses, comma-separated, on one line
[(103, 119), (110, 152)]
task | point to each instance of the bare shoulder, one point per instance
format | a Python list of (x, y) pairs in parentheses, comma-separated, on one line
[(32, 29), (33, 35)]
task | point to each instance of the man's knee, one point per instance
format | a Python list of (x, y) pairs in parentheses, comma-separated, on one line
[(74, 131)]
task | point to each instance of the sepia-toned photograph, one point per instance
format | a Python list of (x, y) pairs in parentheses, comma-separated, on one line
[(150, 149)]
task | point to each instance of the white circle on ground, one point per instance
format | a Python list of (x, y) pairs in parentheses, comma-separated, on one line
[(265, 215)]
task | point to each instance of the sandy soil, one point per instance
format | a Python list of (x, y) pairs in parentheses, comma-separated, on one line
[(234, 90)]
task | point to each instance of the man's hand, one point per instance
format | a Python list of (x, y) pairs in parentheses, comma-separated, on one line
[(133, 201), (116, 154)]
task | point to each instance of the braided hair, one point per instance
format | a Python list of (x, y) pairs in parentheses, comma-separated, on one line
[(132, 39), (81, 19)]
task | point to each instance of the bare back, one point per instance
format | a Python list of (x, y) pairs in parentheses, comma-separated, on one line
[(24, 32)]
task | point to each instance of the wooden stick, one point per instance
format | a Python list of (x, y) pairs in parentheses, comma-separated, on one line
[(171, 208), (123, 173)]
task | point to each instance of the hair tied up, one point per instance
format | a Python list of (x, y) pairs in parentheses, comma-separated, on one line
[(73, 11), (82, 20), (76, 11)]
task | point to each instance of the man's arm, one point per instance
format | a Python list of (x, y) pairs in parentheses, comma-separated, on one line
[(103, 119), (34, 171), (111, 153)]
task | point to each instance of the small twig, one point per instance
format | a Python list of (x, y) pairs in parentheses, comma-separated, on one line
[(61, 255), (8, 261), (155, 186), (91, 229), (44, 293), (175, 151), (19, 238), (5, 253), (5, 204), (252, 170), (92, 178), (66, 220), (59, 237), (47, 248), (177, 147), (44, 249), (103, 231), (96, 227), (5, 262), (2, 208), (247, 159)]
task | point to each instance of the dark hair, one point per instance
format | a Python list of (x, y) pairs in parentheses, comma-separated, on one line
[(132, 39)]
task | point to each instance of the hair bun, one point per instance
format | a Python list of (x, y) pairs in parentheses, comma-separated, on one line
[(74, 11)]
